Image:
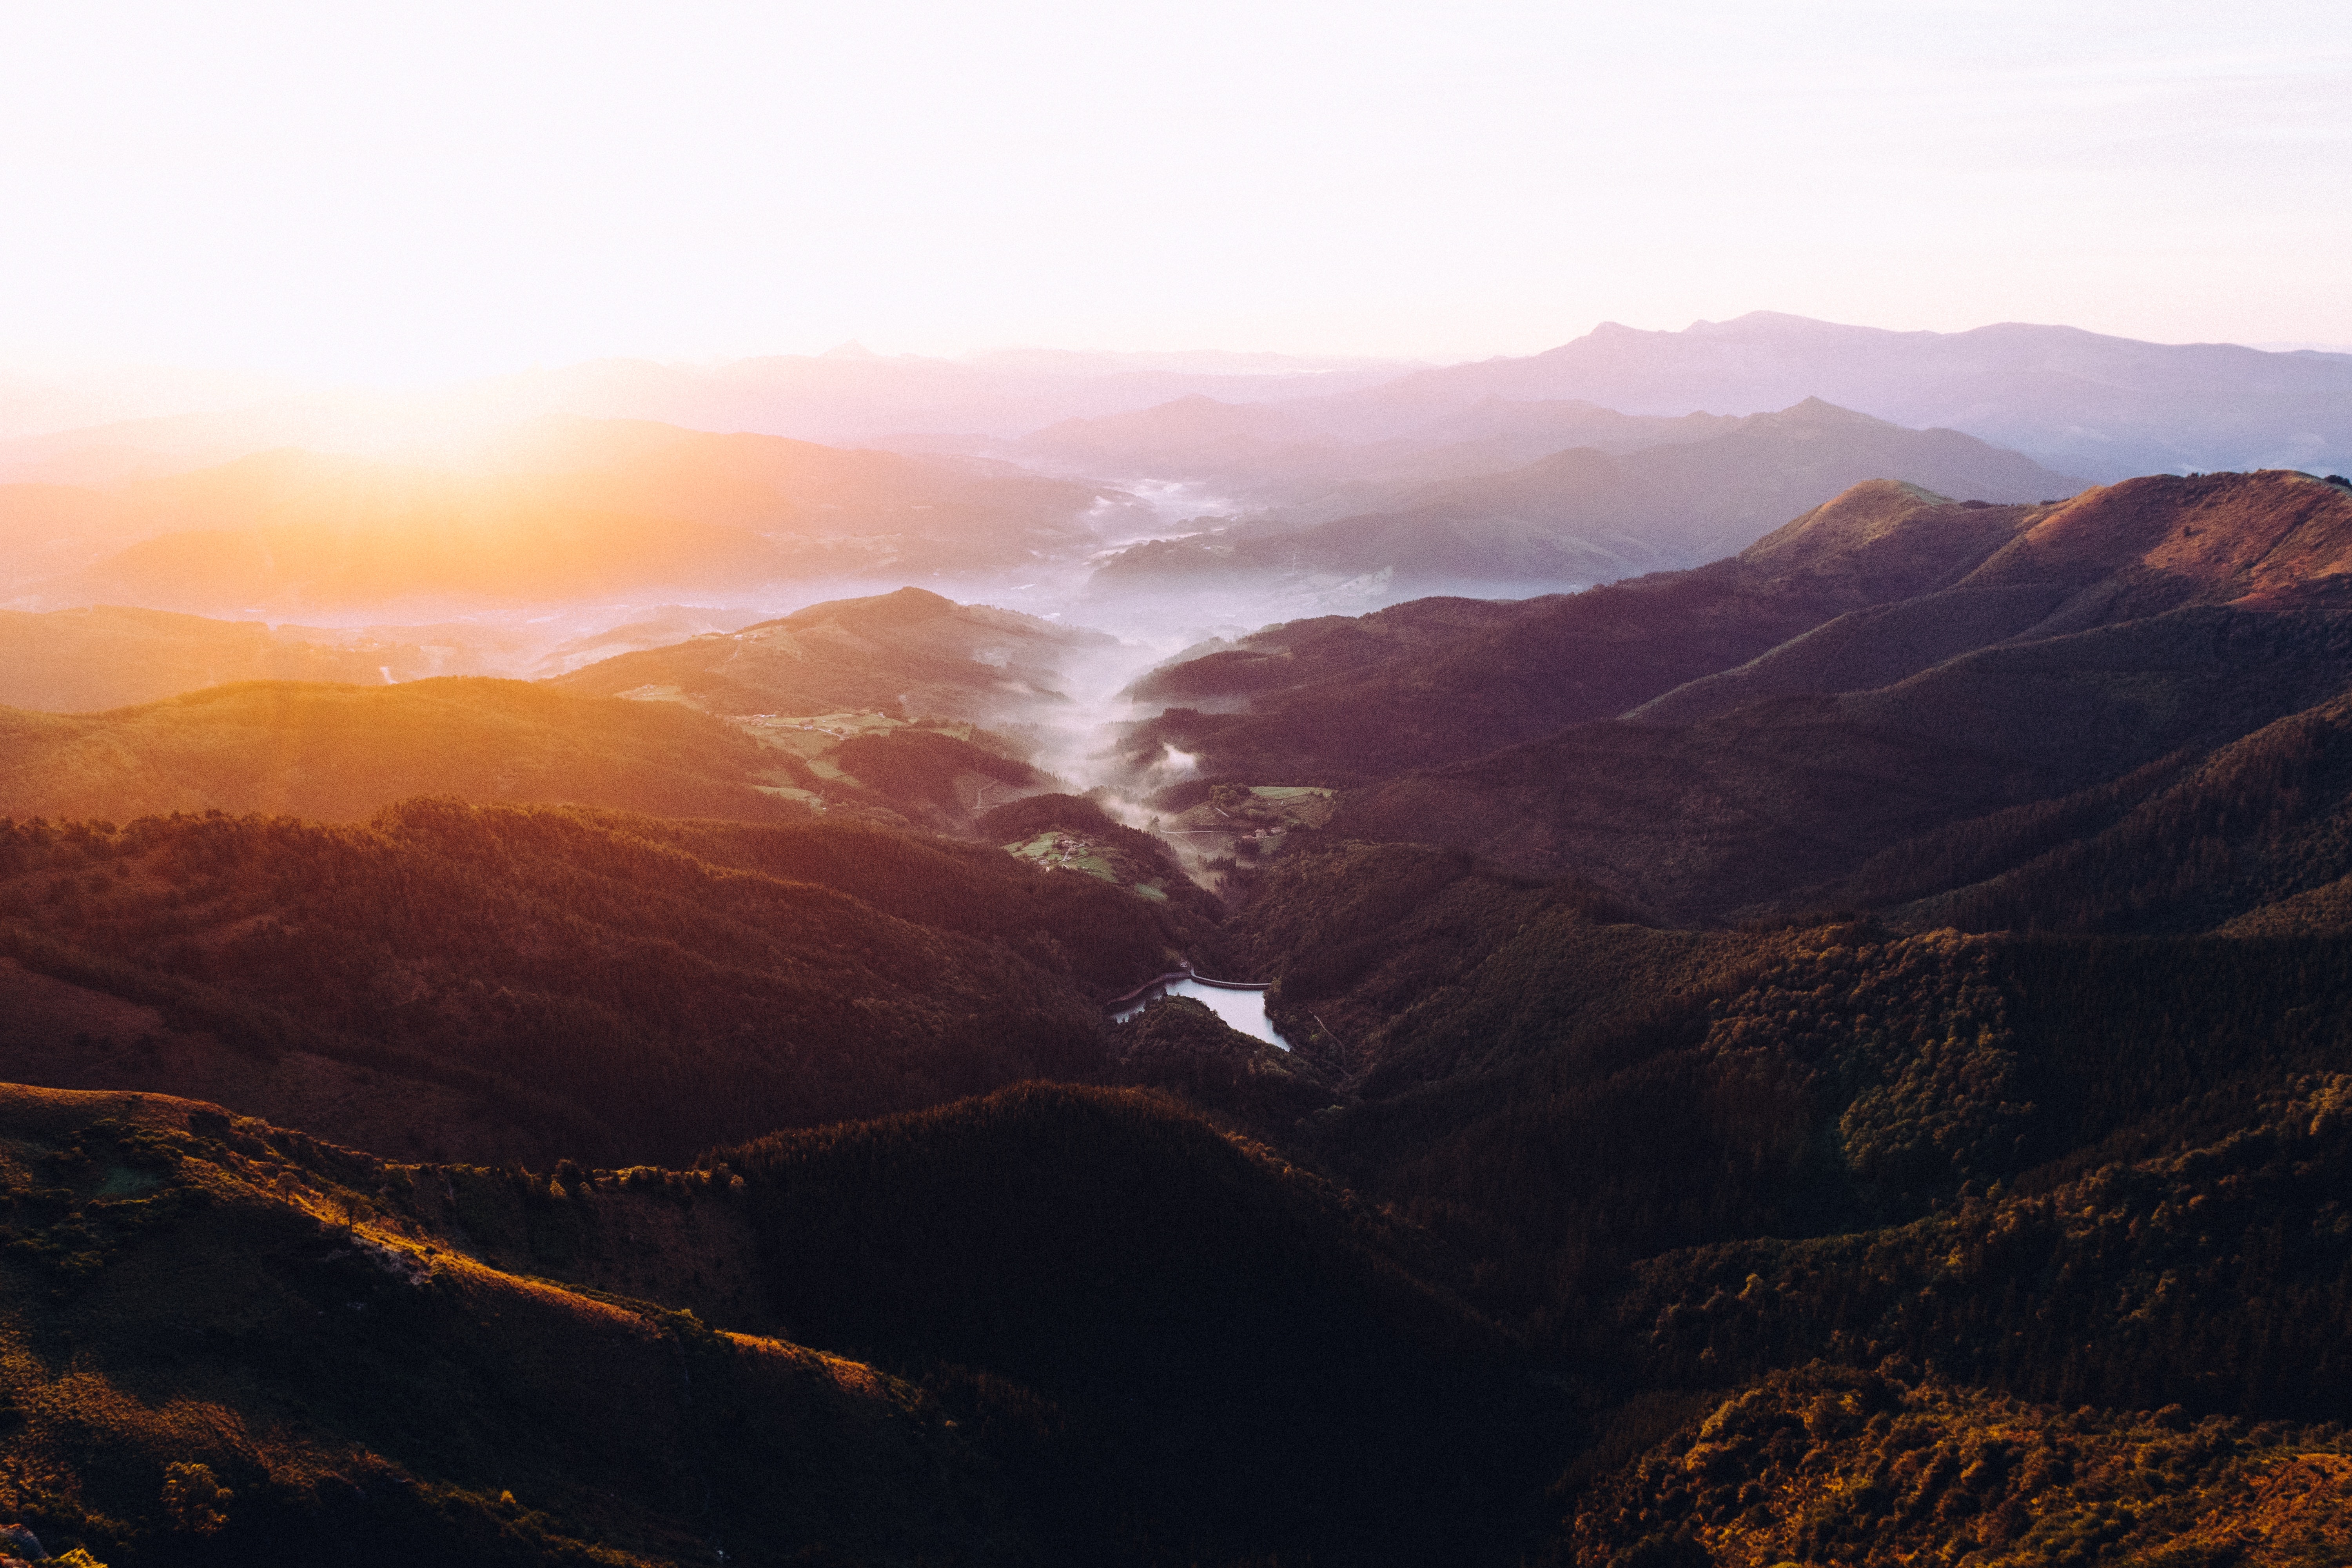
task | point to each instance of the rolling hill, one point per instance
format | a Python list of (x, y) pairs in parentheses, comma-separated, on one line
[(906, 654), (101, 656), (227, 1341), (343, 752), (1840, 1054), (2109, 407), (1584, 515), (1340, 701), (339, 753), (846, 396), (556, 510), (2155, 617), (488, 983), (109, 655), (1257, 455)]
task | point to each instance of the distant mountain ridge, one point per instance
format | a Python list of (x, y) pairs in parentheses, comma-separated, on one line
[(2157, 618), (2081, 402), (569, 509), (834, 398), (1262, 455), (1585, 515), (2106, 406)]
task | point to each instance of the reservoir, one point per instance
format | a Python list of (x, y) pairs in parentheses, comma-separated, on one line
[(1243, 1010)]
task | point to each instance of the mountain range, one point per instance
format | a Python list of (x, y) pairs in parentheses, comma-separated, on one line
[(847, 395), (572, 510), (2079, 402), (2149, 620), (1834, 1047), (1584, 515), (2109, 407)]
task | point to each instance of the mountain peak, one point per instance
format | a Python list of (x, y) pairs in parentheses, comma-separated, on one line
[(1853, 518), (903, 604), (1816, 410)]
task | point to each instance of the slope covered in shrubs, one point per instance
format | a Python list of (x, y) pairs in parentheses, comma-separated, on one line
[(582, 983)]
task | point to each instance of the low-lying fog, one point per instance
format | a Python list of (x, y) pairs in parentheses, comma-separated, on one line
[(1152, 625)]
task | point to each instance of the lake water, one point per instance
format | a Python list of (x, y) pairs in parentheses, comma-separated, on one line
[(1243, 1010)]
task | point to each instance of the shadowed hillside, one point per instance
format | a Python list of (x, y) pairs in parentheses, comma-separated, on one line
[(1841, 1055), (1937, 1127), (2254, 835), (1120, 1333), (228, 1342), (2161, 616), (1338, 702), (1224, 1337), (1697, 822), (486, 984)]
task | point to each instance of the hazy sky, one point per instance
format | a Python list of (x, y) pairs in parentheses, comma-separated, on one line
[(418, 189)]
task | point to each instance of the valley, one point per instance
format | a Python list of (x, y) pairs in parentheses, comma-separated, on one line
[(1552, 983)]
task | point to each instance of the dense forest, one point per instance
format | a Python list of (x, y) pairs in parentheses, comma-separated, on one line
[(1863, 1077), (560, 980)]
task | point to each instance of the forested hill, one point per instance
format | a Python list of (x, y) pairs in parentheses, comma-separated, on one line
[(1094, 1328), (2008, 1177), (98, 657), (1342, 701), (344, 753), (1862, 1077), (2150, 622), (490, 983), (908, 654)]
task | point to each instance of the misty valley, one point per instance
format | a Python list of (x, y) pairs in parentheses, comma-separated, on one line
[(1707, 950)]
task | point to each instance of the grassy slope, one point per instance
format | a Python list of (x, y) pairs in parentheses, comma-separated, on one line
[(908, 654), (178, 1290), (101, 656), (344, 753)]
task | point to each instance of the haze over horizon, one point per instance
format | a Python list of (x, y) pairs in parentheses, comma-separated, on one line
[(332, 198), (1514, 786)]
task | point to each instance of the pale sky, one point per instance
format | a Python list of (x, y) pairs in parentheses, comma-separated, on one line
[(413, 191)]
